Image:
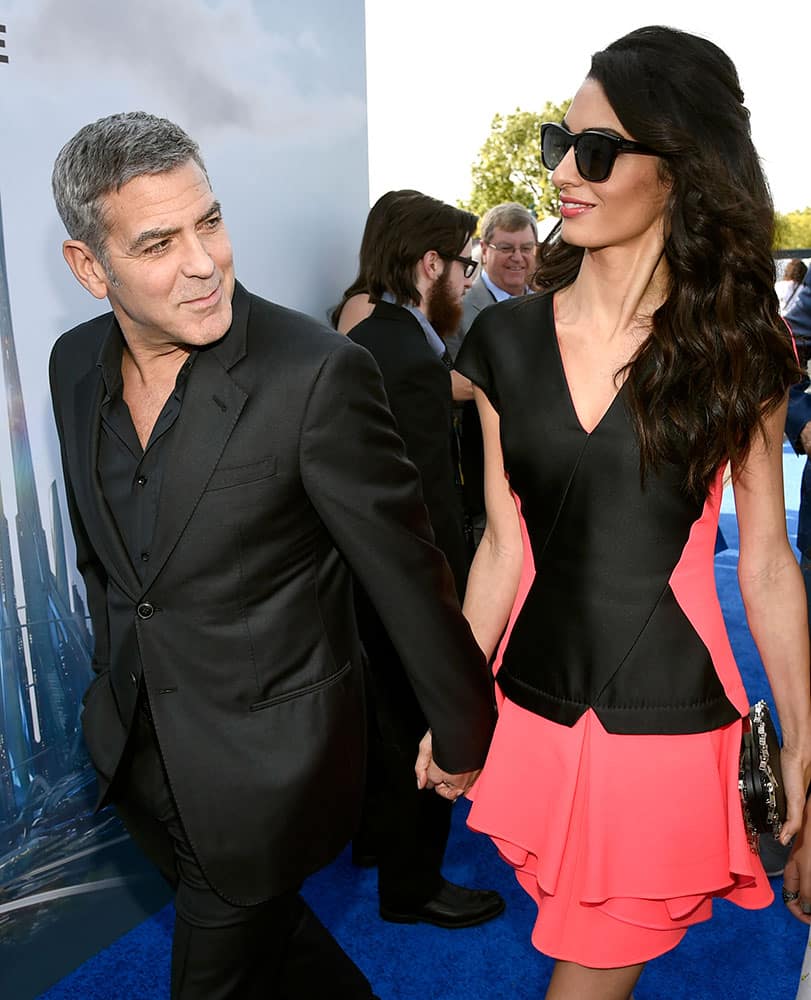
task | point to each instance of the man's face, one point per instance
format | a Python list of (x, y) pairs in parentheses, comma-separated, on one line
[(172, 267), (444, 300), (510, 262)]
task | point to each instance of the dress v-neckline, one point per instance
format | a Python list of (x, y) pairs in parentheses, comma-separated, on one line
[(567, 388)]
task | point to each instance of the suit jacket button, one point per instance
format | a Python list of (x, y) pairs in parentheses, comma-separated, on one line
[(145, 610), (134, 680)]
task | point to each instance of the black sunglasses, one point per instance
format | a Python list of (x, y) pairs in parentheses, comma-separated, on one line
[(594, 151), (469, 263)]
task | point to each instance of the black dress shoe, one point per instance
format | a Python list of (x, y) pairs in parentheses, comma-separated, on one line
[(453, 906)]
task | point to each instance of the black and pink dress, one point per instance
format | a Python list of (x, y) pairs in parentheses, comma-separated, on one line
[(612, 781)]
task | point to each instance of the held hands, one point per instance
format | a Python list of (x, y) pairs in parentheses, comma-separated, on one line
[(449, 786), (461, 387)]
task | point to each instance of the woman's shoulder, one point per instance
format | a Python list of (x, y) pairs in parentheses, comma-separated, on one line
[(522, 307), (505, 339), (510, 320), (356, 308)]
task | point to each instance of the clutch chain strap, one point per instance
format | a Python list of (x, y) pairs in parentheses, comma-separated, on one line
[(769, 780)]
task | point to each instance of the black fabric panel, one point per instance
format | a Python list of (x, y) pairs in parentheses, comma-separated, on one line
[(600, 626)]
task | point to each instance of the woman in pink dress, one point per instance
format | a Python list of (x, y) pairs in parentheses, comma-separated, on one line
[(611, 404)]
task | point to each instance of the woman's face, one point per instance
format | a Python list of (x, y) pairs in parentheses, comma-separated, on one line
[(627, 207)]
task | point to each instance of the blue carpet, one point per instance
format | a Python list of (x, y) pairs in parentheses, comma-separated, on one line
[(738, 954)]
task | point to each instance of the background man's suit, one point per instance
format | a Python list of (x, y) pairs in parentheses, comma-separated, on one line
[(409, 829), (418, 389), (479, 297), (285, 470), (773, 854), (471, 444), (799, 314), (798, 415)]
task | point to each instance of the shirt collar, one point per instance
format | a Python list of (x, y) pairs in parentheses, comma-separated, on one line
[(109, 362), (498, 293), (435, 342)]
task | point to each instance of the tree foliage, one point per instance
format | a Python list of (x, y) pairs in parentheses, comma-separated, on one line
[(509, 167), (792, 231)]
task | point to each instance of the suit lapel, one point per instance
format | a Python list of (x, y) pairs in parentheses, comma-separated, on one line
[(484, 297), (211, 407)]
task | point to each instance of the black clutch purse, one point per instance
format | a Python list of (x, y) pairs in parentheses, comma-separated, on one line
[(760, 778)]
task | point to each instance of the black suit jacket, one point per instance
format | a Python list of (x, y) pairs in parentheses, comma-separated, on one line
[(285, 470), (418, 388)]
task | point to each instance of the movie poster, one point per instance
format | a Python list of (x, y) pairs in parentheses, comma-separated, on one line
[(275, 95)]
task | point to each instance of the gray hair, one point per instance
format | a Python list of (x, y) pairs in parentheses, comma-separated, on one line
[(509, 216), (102, 157)]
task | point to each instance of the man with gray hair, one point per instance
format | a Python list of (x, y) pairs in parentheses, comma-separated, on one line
[(212, 444), (509, 242)]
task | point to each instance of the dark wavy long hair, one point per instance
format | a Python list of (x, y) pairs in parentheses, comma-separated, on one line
[(377, 224), (718, 359)]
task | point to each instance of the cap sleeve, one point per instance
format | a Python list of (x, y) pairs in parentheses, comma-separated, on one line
[(475, 359)]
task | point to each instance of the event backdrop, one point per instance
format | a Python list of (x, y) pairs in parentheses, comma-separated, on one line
[(275, 95)]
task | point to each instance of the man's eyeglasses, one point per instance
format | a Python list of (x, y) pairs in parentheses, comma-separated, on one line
[(526, 249), (469, 263), (594, 151)]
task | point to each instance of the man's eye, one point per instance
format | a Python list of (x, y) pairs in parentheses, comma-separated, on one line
[(213, 222), (156, 248)]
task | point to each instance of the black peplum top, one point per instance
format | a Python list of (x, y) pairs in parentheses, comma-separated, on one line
[(600, 627)]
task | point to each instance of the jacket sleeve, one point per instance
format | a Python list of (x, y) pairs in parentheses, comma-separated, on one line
[(365, 490), (418, 390), (88, 564)]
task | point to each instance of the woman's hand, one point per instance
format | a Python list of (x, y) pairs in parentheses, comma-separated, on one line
[(797, 874), (796, 768), (430, 775)]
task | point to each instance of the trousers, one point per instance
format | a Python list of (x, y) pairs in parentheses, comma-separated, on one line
[(277, 950), (405, 828)]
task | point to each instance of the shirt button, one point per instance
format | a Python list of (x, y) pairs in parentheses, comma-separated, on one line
[(145, 610), (141, 480), (134, 680)]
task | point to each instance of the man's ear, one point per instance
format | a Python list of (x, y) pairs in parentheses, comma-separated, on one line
[(431, 265), (86, 267), (484, 248)]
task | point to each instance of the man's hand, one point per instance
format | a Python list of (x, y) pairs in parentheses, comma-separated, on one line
[(429, 775), (805, 438)]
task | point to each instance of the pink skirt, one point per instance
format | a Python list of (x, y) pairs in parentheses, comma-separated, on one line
[(622, 841)]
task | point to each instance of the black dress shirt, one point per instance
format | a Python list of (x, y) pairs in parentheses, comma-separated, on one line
[(130, 475)]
